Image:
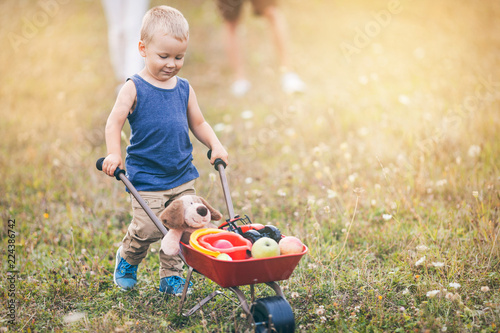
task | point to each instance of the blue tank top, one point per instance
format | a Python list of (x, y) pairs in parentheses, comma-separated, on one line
[(159, 156)]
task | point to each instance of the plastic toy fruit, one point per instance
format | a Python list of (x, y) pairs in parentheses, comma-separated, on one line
[(222, 244), (290, 245), (265, 247), (224, 256)]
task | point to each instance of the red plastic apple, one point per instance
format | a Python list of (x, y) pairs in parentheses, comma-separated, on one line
[(223, 244), (290, 245)]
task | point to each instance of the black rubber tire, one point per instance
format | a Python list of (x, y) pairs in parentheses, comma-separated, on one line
[(282, 318)]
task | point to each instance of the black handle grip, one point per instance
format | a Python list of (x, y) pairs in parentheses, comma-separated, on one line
[(117, 172), (217, 162)]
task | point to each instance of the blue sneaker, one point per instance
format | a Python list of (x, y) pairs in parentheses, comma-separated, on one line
[(125, 275), (174, 285)]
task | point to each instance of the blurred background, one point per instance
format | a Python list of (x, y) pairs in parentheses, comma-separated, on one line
[(401, 112)]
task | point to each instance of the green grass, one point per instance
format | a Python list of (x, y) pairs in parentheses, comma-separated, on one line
[(406, 127)]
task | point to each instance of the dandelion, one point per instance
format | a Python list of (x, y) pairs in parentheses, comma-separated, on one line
[(248, 180), (219, 127), (331, 194), (485, 289), (474, 151), (294, 294), (386, 217), (327, 209), (406, 291), (352, 177), (247, 114), (454, 285), (46, 215), (441, 182), (432, 293), (380, 297), (422, 248), (322, 319), (212, 177), (403, 99), (321, 310), (438, 264), (281, 193), (420, 261)]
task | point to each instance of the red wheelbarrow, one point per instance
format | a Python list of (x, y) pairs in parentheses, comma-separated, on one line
[(268, 314)]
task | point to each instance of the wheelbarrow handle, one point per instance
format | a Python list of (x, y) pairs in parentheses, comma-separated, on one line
[(217, 162), (120, 175), (220, 165)]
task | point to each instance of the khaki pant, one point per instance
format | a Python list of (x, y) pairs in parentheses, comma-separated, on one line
[(142, 232)]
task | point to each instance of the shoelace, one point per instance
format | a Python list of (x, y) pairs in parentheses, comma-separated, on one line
[(128, 270)]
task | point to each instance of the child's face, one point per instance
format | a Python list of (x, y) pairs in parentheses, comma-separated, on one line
[(163, 56)]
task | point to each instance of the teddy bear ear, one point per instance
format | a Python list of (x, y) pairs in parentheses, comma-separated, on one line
[(216, 215), (173, 216)]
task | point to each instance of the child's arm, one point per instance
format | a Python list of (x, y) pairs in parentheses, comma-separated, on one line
[(202, 130), (123, 106)]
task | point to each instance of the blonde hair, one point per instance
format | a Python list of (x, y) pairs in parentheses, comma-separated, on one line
[(167, 20)]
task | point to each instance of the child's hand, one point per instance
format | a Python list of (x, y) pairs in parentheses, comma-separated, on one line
[(110, 163), (219, 152)]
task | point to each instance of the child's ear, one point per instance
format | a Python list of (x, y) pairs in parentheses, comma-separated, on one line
[(142, 49)]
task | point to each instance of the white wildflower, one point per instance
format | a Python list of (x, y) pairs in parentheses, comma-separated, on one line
[(441, 182), (474, 151), (248, 180), (247, 114), (406, 291), (438, 264), (485, 289), (219, 127), (403, 99), (294, 294), (432, 293), (455, 285), (420, 261), (321, 310), (386, 217), (281, 193), (475, 194), (352, 177), (331, 194), (212, 177), (422, 248)]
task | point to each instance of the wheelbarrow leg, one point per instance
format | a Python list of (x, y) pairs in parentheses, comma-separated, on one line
[(185, 290)]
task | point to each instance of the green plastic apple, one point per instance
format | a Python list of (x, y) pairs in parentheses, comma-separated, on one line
[(224, 256), (265, 247)]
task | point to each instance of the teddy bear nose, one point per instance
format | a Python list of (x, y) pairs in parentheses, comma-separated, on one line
[(202, 210)]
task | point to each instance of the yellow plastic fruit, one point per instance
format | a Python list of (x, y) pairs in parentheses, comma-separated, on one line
[(193, 240)]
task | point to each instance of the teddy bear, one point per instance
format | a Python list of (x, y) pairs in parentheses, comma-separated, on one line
[(185, 215)]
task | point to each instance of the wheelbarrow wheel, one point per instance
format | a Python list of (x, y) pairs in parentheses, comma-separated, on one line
[(273, 314)]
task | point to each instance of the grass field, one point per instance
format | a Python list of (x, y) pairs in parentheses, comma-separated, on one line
[(387, 167)]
